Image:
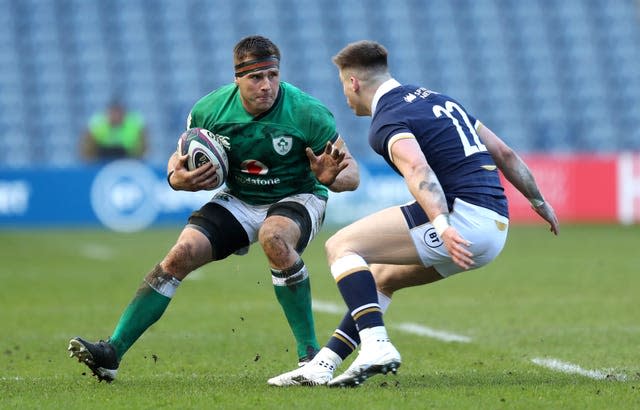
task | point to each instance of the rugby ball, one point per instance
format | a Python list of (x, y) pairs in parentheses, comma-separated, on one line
[(202, 146)]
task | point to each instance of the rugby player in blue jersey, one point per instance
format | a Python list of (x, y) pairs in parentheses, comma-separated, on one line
[(458, 220)]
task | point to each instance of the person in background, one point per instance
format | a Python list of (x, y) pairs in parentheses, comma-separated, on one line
[(113, 134)]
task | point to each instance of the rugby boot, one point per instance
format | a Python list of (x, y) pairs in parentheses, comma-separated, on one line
[(317, 372), (100, 357), (380, 357)]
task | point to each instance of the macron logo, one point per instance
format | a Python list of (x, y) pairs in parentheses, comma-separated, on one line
[(409, 98)]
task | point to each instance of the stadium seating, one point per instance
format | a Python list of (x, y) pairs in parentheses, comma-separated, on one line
[(547, 76)]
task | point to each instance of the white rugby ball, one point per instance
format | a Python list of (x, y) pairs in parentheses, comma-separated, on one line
[(203, 147)]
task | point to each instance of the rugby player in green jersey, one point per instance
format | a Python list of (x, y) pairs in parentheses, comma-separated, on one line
[(284, 155)]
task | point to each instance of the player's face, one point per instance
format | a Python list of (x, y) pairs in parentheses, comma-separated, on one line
[(259, 90), (349, 88)]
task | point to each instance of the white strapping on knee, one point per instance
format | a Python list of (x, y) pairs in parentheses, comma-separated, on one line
[(297, 277), (348, 263), (165, 286)]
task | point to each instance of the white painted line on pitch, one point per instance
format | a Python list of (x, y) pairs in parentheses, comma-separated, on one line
[(413, 328), (96, 251), (441, 335), (565, 367), (328, 307)]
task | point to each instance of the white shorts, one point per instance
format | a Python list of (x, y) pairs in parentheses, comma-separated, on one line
[(251, 217), (484, 228)]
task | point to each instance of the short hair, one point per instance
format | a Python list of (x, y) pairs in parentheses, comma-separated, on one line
[(255, 46), (362, 55)]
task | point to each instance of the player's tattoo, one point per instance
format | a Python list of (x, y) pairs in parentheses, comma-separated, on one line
[(524, 179), (428, 186), (433, 187)]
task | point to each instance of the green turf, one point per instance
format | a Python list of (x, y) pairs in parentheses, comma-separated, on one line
[(573, 298)]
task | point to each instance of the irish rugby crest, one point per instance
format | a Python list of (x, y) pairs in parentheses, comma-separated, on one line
[(282, 144)]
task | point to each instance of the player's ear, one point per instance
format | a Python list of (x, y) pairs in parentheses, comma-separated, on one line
[(355, 84)]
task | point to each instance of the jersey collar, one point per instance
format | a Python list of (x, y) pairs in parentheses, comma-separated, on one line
[(384, 88)]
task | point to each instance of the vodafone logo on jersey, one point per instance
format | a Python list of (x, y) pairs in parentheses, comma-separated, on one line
[(254, 167)]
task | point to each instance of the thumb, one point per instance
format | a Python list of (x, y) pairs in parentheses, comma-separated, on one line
[(310, 154), (182, 161)]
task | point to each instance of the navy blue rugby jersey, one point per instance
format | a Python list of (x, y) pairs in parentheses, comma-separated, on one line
[(447, 136)]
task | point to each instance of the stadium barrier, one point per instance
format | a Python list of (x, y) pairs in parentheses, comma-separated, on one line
[(129, 195), (583, 188)]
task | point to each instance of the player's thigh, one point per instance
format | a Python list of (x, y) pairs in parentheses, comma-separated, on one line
[(191, 250), (382, 237), (391, 278), (228, 224), (296, 219)]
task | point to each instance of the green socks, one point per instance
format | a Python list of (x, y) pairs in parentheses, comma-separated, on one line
[(148, 305), (292, 288), (293, 291)]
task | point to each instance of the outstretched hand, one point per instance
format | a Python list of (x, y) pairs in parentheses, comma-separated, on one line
[(327, 165), (548, 214)]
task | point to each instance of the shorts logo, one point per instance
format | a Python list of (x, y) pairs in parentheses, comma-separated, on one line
[(282, 144), (432, 239)]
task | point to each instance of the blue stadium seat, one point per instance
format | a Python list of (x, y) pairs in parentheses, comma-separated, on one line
[(525, 82)]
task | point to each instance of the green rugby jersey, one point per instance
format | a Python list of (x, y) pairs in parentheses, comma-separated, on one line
[(267, 160)]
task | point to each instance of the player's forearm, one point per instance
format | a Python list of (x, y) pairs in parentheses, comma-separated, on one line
[(519, 175), (348, 179), (511, 165), (425, 187)]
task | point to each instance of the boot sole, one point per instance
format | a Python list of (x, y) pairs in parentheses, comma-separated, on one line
[(80, 352), (358, 379)]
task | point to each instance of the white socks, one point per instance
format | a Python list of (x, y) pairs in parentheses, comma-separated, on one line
[(329, 356), (372, 335)]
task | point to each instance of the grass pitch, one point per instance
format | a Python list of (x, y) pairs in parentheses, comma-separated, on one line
[(552, 323)]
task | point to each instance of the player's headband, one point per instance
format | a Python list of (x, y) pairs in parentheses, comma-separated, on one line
[(258, 64)]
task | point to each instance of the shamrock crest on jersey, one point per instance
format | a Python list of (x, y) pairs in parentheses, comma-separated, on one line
[(282, 144)]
